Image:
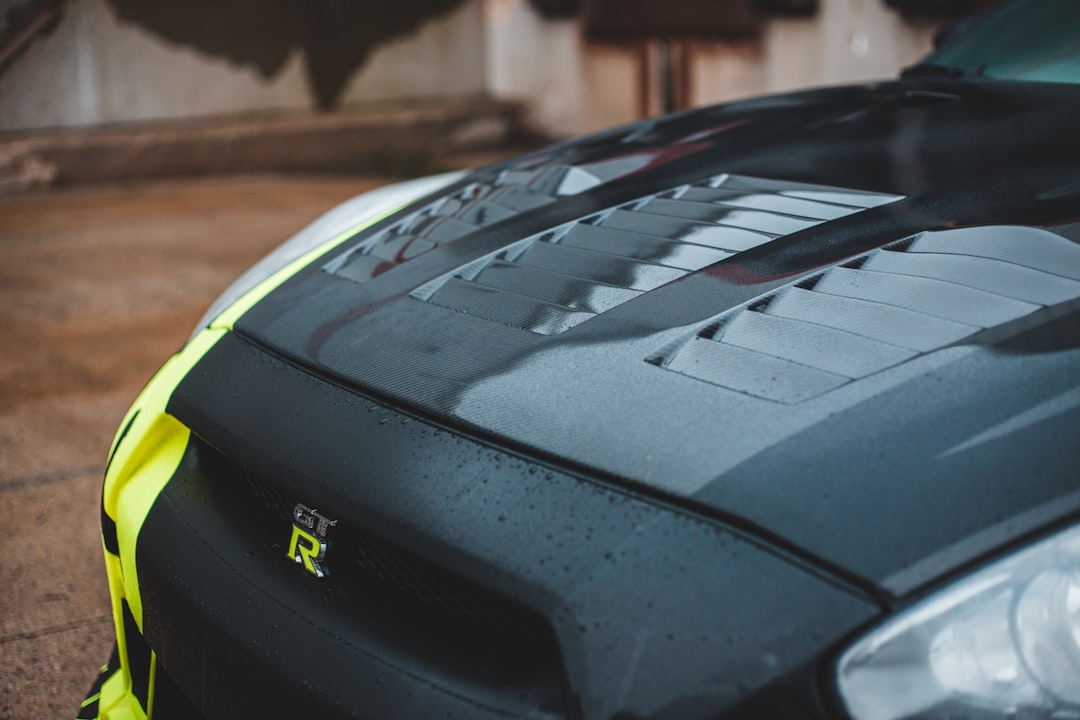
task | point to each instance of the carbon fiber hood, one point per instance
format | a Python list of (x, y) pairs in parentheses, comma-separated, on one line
[(829, 317)]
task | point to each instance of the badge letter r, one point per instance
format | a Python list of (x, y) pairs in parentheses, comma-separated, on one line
[(307, 550)]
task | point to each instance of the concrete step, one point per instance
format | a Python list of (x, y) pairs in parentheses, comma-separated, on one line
[(399, 139)]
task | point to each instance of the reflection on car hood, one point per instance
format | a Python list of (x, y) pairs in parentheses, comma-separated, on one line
[(844, 319)]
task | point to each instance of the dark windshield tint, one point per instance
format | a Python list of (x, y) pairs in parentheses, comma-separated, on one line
[(1027, 40)]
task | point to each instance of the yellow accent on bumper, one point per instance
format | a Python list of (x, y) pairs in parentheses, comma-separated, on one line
[(143, 460), (117, 702), (147, 459), (141, 467)]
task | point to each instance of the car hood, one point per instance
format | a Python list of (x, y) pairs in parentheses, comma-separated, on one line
[(892, 436)]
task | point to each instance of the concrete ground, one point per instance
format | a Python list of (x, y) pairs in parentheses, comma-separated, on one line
[(97, 287)]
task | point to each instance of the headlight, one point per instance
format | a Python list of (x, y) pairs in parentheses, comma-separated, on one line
[(350, 214), (1002, 643)]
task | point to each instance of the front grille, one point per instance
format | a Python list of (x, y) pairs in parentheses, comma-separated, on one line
[(372, 560), (244, 633)]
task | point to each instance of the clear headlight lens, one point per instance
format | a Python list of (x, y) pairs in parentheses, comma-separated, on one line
[(1002, 643), (350, 214)]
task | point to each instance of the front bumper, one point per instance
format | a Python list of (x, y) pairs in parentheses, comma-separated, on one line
[(144, 455), (617, 603)]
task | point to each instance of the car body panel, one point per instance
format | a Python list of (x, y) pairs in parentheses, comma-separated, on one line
[(593, 560), (587, 397), (145, 454)]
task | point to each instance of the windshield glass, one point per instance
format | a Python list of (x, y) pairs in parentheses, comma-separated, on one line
[(1027, 40)]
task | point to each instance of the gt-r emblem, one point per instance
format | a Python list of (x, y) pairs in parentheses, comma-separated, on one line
[(308, 544)]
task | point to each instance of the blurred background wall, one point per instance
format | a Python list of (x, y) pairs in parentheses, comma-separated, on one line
[(576, 65), (584, 72), (116, 61), (116, 90)]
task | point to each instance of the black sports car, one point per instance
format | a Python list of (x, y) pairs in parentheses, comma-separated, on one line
[(766, 410)]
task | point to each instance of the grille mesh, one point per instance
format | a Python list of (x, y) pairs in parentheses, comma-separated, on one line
[(363, 557)]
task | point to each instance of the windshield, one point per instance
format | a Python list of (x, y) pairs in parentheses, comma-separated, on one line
[(1027, 40)]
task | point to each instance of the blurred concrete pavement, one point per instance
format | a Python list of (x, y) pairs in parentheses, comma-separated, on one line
[(98, 286)]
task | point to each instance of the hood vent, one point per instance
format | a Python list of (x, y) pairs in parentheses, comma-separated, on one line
[(452, 216), (550, 282), (880, 309)]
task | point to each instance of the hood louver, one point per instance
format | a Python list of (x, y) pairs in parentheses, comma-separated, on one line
[(552, 281), (880, 309), (450, 217)]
